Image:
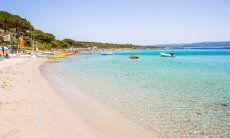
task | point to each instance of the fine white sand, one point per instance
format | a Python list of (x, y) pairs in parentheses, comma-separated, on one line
[(29, 107), (105, 119)]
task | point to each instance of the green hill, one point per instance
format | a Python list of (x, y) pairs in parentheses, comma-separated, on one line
[(17, 26)]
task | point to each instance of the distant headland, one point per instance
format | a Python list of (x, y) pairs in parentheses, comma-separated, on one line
[(220, 44)]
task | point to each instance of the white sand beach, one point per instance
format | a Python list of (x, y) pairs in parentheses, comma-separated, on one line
[(114, 69), (29, 107)]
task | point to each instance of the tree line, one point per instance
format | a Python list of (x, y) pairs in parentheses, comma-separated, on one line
[(10, 22), (17, 25)]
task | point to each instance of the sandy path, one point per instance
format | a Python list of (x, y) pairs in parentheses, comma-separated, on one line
[(29, 107)]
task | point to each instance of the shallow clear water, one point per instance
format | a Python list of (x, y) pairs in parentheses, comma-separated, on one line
[(186, 95)]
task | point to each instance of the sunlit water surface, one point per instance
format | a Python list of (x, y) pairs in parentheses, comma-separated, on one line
[(188, 95)]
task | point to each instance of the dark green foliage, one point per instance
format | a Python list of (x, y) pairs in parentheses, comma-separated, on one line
[(42, 37), (78, 44), (60, 44), (4, 20), (56, 44), (64, 44), (48, 37), (9, 21), (18, 26), (106, 45), (70, 41)]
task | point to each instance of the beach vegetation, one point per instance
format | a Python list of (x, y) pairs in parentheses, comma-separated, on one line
[(17, 26), (10, 22)]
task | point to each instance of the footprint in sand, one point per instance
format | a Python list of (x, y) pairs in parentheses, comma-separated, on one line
[(5, 86), (13, 132)]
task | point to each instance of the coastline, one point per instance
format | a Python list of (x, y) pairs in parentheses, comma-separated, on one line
[(29, 107), (104, 119), (92, 85), (32, 105)]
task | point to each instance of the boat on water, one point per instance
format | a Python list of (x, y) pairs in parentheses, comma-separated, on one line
[(22, 55), (167, 55), (107, 53), (48, 53), (134, 57)]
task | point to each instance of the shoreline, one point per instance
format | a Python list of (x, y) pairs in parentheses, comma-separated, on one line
[(104, 119), (29, 107)]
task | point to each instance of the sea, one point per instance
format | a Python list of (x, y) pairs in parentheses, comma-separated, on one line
[(188, 95)]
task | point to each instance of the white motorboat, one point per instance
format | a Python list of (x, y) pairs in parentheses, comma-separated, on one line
[(107, 53), (48, 53), (21, 56), (167, 55)]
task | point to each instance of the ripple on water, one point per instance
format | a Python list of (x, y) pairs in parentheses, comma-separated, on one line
[(186, 96)]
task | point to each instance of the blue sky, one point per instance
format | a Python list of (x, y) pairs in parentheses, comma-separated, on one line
[(128, 21)]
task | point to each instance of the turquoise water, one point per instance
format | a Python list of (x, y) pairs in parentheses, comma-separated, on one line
[(188, 95)]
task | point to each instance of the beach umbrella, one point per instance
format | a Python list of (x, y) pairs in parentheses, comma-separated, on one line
[(1, 47)]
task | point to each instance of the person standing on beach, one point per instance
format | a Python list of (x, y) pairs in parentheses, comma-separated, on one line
[(3, 50)]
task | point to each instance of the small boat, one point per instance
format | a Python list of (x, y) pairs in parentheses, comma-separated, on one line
[(21, 56), (48, 53), (107, 53), (167, 55), (134, 57)]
